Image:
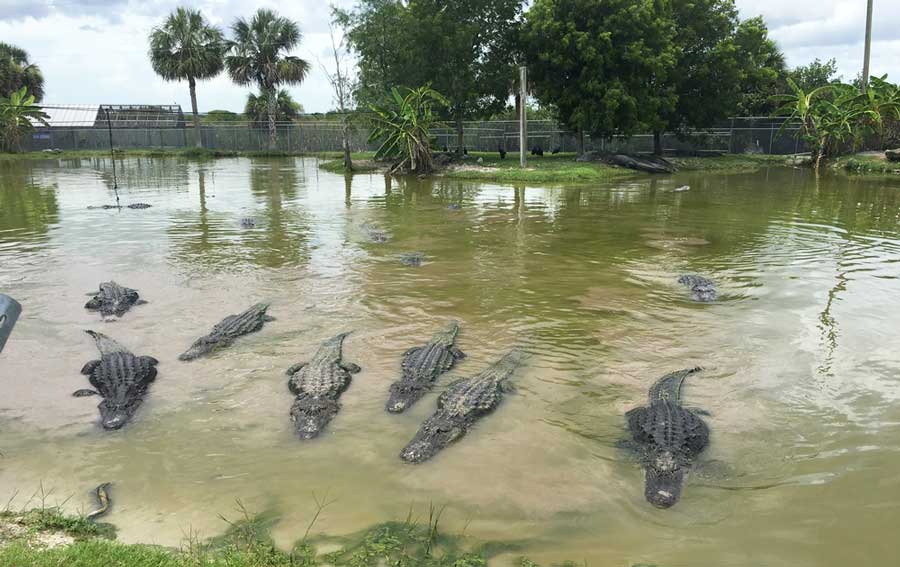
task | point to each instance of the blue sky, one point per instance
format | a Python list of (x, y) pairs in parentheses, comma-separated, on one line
[(94, 51)]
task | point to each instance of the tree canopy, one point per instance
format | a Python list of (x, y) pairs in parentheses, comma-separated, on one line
[(16, 71), (619, 66), (463, 49)]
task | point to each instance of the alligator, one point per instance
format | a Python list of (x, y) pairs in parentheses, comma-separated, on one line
[(248, 222), (375, 234), (317, 385), (412, 259), (666, 437), (113, 299), (230, 328), (702, 289), (464, 402), (131, 206), (120, 377), (421, 367)]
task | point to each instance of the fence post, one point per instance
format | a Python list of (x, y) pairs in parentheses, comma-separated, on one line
[(771, 137), (523, 115), (731, 137)]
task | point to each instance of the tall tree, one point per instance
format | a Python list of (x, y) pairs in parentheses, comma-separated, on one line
[(602, 65), (187, 47), (342, 85), (260, 54), (463, 49), (16, 71), (706, 75), (764, 70)]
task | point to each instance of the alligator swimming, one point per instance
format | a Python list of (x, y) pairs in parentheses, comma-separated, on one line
[(464, 402), (317, 385), (375, 234), (667, 438), (421, 367), (702, 289), (113, 299), (412, 259), (248, 222), (131, 206), (230, 328), (120, 377)]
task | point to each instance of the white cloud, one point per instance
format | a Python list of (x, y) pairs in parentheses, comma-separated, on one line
[(94, 51)]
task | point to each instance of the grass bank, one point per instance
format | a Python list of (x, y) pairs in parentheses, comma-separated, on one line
[(47, 538), (870, 164), (728, 163), (560, 168)]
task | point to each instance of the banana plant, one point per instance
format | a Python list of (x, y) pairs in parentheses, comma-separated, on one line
[(18, 114), (403, 125)]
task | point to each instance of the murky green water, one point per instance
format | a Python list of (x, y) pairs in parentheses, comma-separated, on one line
[(801, 352)]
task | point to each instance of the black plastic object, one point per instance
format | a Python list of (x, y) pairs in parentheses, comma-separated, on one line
[(9, 312)]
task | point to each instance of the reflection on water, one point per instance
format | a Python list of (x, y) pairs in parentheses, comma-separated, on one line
[(800, 352)]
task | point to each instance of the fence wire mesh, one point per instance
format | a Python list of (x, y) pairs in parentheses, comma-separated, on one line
[(74, 127)]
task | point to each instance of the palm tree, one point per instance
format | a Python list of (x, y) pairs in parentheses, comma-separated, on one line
[(187, 47), (17, 72), (18, 114), (259, 54)]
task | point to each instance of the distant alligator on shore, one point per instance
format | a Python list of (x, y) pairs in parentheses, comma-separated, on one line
[(317, 385), (120, 377), (666, 438), (702, 289), (230, 328), (464, 402), (421, 367), (113, 299)]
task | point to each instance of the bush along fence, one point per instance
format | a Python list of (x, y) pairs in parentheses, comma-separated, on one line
[(737, 135)]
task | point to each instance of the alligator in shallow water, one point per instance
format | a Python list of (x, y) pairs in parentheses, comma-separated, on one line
[(421, 366), (464, 402), (248, 222), (231, 327), (412, 259), (120, 377), (113, 299), (375, 234), (666, 438), (131, 206), (317, 385), (702, 289)]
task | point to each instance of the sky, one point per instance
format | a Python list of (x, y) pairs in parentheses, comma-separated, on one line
[(95, 51)]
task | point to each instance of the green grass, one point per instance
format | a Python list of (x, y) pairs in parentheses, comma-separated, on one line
[(561, 168), (867, 165), (412, 542), (728, 163)]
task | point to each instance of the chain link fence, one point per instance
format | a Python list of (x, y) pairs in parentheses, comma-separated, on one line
[(737, 135)]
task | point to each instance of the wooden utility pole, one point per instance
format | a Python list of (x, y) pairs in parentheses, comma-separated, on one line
[(523, 115), (865, 77)]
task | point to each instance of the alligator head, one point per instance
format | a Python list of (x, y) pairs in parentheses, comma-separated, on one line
[(201, 346), (404, 394), (114, 415), (310, 415), (705, 292), (664, 479), (436, 433)]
